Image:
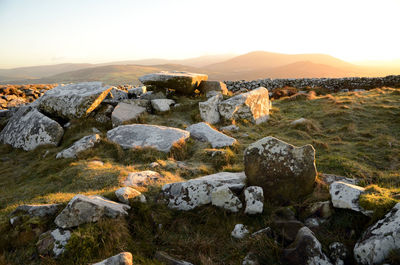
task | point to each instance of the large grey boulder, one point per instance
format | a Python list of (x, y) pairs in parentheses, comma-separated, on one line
[(37, 210), (142, 178), (83, 209), (379, 240), (123, 258), (224, 198), (182, 82), (128, 111), (285, 172), (208, 87), (74, 100), (82, 144), (253, 106), (162, 105), (209, 109), (203, 132), (141, 135), (345, 196), (196, 192), (28, 129)]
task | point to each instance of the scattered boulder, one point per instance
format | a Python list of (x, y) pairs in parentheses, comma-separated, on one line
[(240, 231), (116, 95), (126, 193), (142, 178), (379, 239), (28, 129), (136, 92), (196, 192), (223, 197), (123, 258), (285, 172), (338, 253), (230, 128), (203, 132), (81, 145), (53, 242), (73, 101), (305, 250), (166, 259), (142, 135), (83, 209), (128, 111), (162, 105), (37, 210), (209, 109), (253, 106), (345, 196), (206, 87), (182, 82), (254, 198)]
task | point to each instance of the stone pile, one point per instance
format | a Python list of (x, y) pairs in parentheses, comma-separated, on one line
[(12, 96)]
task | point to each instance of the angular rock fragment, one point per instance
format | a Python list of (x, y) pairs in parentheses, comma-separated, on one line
[(254, 198), (345, 196), (203, 132), (123, 258), (162, 105), (209, 109), (240, 231), (53, 242), (81, 145), (128, 111), (224, 198), (126, 193), (206, 87)]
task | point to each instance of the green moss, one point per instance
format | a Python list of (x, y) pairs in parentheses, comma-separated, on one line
[(377, 199)]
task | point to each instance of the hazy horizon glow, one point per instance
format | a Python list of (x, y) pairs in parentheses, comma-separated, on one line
[(94, 31)]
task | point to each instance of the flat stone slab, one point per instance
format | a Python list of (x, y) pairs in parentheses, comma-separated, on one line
[(142, 135), (203, 132), (82, 144), (128, 111)]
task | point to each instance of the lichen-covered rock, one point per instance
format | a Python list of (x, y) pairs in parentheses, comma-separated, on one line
[(37, 210), (196, 192), (182, 82), (162, 105), (345, 196), (115, 96), (223, 197), (126, 193), (141, 178), (216, 86), (83, 209), (123, 258), (254, 198), (53, 242), (379, 240), (209, 109), (285, 172), (28, 129), (103, 113), (168, 260), (136, 92), (81, 145), (73, 101), (142, 135), (240, 231), (203, 132), (230, 128), (305, 250), (253, 106), (128, 111)]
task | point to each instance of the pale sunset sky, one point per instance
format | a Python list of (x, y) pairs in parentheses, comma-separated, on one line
[(39, 32)]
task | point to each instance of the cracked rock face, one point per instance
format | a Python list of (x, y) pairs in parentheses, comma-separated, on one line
[(83, 144), (203, 132), (378, 240), (28, 129), (141, 135), (285, 172), (83, 209), (254, 198), (345, 196), (73, 101), (123, 258), (209, 109), (223, 197)]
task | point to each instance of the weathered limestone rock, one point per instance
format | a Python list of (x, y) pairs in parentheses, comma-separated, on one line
[(345, 196), (128, 111), (168, 260), (206, 87), (53, 242), (223, 197), (83, 209), (196, 192), (380, 239), (182, 82), (37, 210), (81, 145), (209, 109), (141, 135), (203, 132), (230, 128), (253, 106), (254, 198), (162, 105), (103, 113), (142, 178), (240, 231), (136, 92), (126, 193), (73, 101), (116, 95), (28, 129), (306, 250), (330, 178), (338, 253), (285, 172), (123, 258)]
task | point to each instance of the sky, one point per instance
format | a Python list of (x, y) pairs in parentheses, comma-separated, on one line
[(40, 32)]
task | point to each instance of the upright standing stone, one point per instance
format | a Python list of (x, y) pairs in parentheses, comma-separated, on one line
[(209, 109)]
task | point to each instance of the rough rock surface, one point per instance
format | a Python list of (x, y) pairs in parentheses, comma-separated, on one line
[(83, 209), (142, 135), (338, 253), (209, 109), (378, 240), (254, 198), (28, 129), (142, 178), (162, 105), (285, 172), (223, 197), (128, 111), (126, 193), (240, 231), (345, 196), (207, 86), (53, 242), (81, 145), (182, 82), (250, 259), (73, 101), (168, 260), (136, 92), (116, 95), (123, 258), (306, 250), (253, 106), (38, 210), (230, 128), (203, 132), (195, 192)]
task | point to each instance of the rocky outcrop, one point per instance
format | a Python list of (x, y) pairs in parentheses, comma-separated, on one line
[(196, 192), (162, 105), (203, 132), (128, 111), (123, 258), (240, 231), (126, 193), (345, 196), (209, 109), (380, 239), (209, 87), (73, 101), (253, 106), (53, 242), (28, 129), (83, 144), (285, 172), (182, 82), (254, 198), (141, 135), (83, 209), (224, 198)]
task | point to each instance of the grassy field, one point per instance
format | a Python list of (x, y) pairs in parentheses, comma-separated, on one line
[(355, 134)]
